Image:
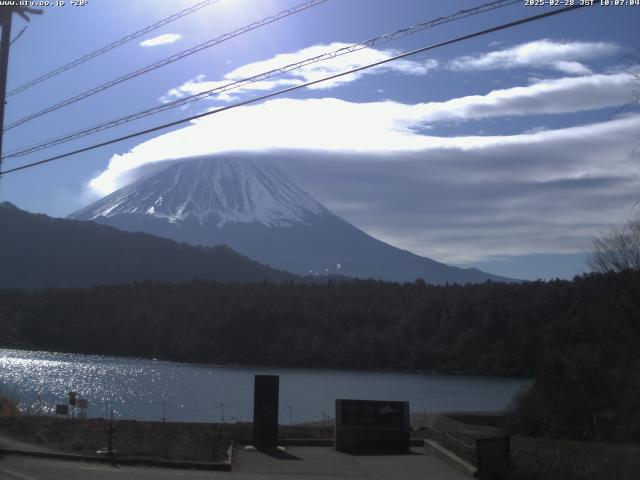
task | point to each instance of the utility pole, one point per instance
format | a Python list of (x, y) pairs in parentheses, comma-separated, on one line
[(6, 15)]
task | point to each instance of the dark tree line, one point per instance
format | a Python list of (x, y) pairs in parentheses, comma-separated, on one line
[(488, 328)]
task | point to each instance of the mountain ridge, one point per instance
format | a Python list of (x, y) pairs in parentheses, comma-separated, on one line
[(259, 212), (44, 252)]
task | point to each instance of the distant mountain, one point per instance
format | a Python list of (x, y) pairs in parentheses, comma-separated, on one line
[(259, 212), (38, 251)]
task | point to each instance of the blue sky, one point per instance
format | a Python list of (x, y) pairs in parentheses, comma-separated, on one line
[(505, 152)]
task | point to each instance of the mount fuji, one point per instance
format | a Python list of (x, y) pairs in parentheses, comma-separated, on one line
[(256, 210)]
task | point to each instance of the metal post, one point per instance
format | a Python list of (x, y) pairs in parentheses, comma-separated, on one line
[(289, 414), (110, 438)]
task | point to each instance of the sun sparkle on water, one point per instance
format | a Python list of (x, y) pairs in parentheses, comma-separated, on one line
[(137, 388)]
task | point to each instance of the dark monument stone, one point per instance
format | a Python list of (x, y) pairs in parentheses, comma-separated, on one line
[(265, 412), (493, 458), (363, 425)]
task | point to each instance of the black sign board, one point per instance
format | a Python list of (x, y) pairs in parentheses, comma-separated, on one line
[(372, 413), (372, 425), (265, 411)]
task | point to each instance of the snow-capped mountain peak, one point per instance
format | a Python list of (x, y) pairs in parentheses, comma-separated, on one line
[(259, 212), (214, 190)]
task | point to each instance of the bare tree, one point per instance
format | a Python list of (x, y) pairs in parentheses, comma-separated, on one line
[(618, 249)]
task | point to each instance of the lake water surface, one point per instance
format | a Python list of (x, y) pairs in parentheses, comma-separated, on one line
[(148, 389)]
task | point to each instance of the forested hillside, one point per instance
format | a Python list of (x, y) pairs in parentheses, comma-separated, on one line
[(43, 252)]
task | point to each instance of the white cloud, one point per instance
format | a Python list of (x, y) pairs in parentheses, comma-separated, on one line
[(523, 194), (557, 96), (562, 56), (198, 85), (333, 125), (539, 128), (305, 74), (161, 40), (571, 68)]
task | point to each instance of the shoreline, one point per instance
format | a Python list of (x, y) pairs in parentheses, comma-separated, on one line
[(279, 366)]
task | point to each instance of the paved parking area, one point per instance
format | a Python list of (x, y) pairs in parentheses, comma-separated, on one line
[(296, 462), (309, 462)]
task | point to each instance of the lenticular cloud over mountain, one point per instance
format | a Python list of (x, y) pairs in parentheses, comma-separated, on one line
[(255, 209), (381, 128)]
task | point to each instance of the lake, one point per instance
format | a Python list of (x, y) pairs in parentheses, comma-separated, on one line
[(144, 389)]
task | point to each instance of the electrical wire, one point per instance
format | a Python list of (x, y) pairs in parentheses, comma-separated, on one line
[(166, 61), (380, 39), (111, 46), (24, 29), (297, 87)]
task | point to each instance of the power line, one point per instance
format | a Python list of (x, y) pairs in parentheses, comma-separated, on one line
[(262, 76), (166, 61), (297, 87), (24, 29), (111, 46), (6, 17)]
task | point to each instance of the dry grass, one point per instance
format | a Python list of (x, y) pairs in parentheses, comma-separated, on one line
[(454, 433), (465, 448), (169, 441), (539, 458), (8, 408)]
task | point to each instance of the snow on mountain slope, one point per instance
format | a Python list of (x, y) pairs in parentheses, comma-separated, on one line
[(218, 190)]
